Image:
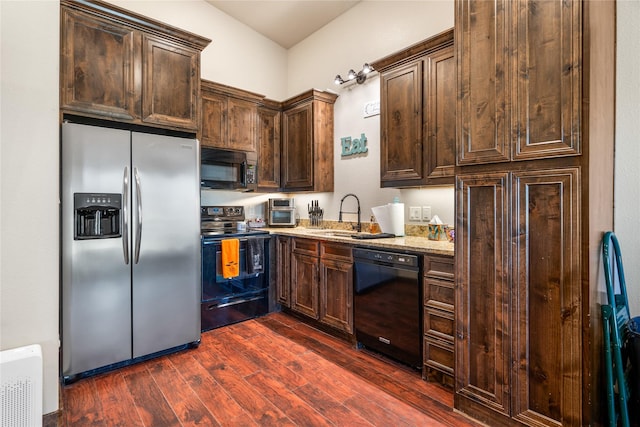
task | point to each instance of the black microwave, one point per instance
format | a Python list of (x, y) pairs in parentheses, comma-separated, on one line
[(227, 169)]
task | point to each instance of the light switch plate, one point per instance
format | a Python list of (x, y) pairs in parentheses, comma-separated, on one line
[(414, 213), (426, 213)]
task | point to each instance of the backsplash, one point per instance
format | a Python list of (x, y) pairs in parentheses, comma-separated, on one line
[(409, 229)]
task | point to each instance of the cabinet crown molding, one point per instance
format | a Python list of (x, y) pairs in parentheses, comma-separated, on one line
[(311, 95), (231, 91), (421, 48), (125, 17)]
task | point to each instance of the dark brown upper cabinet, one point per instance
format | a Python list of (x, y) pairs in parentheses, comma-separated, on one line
[(120, 66), (520, 84), (307, 142), (269, 123), (229, 117), (417, 114)]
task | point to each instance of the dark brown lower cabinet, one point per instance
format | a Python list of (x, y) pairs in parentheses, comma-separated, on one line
[(283, 270), (483, 297), (438, 316), (322, 282), (518, 347), (336, 286), (304, 277)]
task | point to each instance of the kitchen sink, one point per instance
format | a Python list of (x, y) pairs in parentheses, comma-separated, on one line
[(352, 234)]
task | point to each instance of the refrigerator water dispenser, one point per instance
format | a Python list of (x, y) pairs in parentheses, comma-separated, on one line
[(97, 215)]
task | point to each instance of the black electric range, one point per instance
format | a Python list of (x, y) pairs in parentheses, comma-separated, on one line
[(227, 300)]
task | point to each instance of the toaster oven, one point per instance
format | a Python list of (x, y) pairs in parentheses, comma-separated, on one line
[(281, 212)]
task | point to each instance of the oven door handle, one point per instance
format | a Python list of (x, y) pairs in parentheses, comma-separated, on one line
[(234, 302), (207, 241)]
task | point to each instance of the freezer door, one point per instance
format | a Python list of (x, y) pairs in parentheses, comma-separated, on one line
[(96, 281), (166, 242)]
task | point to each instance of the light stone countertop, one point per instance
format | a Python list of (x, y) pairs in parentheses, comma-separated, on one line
[(405, 243)]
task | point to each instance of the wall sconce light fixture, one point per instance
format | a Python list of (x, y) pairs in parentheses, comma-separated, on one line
[(359, 77)]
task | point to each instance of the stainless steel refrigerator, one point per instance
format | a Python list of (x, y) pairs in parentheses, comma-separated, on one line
[(130, 245)]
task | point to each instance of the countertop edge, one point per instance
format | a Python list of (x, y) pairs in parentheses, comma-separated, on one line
[(405, 243)]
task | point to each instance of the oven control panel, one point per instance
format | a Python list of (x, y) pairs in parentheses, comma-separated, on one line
[(222, 213)]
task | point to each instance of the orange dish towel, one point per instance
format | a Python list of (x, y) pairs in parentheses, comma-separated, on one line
[(230, 258)]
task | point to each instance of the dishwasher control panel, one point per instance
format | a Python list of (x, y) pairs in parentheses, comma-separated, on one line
[(385, 257)]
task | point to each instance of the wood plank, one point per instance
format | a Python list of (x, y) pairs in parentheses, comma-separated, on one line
[(226, 351), (82, 405), (288, 402), (222, 406), (183, 400), (332, 410), (118, 407), (269, 362), (153, 408), (253, 402)]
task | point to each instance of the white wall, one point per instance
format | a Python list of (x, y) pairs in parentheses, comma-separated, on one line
[(627, 155), (368, 31), (29, 171), (237, 56)]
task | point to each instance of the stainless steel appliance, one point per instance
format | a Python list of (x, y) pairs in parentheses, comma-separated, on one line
[(387, 304), (281, 212), (228, 170), (130, 246), (226, 301)]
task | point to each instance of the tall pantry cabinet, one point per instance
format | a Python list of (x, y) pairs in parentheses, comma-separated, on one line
[(534, 194)]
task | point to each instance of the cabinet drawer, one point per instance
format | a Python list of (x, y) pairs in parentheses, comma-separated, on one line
[(439, 294), (337, 251), (305, 246), (439, 324), (439, 267), (439, 355)]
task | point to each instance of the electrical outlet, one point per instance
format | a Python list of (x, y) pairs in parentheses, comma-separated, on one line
[(414, 213), (426, 213)]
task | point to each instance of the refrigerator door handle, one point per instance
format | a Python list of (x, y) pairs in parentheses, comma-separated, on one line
[(125, 215), (138, 216)]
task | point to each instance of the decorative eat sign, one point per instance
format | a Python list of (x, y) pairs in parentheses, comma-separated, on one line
[(355, 146)]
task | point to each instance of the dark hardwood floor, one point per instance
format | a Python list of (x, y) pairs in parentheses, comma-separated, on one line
[(271, 371)]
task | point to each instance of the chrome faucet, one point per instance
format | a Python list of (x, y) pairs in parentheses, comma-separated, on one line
[(359, 226)]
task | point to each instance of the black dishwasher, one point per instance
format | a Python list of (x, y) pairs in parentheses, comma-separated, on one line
[(387, 304)]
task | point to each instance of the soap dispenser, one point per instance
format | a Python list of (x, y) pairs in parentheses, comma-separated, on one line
[(374, 228)]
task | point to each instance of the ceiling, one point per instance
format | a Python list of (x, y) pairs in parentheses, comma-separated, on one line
[(286, 22)]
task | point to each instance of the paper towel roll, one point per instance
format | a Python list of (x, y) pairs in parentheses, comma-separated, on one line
[(396, 211), (390, 217)]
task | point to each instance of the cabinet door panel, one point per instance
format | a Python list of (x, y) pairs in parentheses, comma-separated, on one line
[(242, 124), (547, 303), (440, 125), (171, 84), (98, 67), (283, 272), (336, 294), (297, 149), (402, 155), (214, 120), (483, 71), (304, 284), (547, 103), (268, 149), (482, 296)]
